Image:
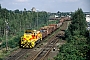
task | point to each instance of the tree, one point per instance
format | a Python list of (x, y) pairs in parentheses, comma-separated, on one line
[(78, 45), (16, 11), (18, 22), (78, 22), (0, 6)]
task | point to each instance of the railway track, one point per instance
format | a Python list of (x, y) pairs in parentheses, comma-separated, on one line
[(47, 48), (18, 55), (45, 51)]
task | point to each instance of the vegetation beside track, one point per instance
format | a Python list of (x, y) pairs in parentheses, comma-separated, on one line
[(4, 53), (78, 40)]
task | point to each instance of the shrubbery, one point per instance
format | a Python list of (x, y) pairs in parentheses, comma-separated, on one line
[(78, 45), (12, 43)]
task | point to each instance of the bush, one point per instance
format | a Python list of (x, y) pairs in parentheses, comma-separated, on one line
[(12, 43)]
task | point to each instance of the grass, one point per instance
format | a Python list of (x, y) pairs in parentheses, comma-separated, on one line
[(26, 55), (4, 53)]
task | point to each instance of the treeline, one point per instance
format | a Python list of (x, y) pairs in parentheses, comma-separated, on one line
[(78, 40), (17, 21)]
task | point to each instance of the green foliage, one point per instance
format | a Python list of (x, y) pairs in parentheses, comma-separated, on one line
[(21, 20), (76, 49), (18, 21), (78, 22), (1, 58), (12, 43), (68, 52), (78, 45), (53, 22)]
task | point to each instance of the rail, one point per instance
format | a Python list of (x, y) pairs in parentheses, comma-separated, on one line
[(44, 52), (18, 55)]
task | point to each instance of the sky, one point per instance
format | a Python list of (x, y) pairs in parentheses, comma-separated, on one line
[(47, 5)]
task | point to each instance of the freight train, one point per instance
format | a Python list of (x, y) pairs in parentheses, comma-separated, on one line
[(32, 37)]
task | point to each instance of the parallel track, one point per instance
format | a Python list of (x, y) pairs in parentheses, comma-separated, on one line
[(18, 55), (45, 51)]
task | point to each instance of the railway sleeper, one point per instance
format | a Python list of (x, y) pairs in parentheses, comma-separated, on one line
[(49, 46), (46, 49), (42, 53), (52, 42)]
